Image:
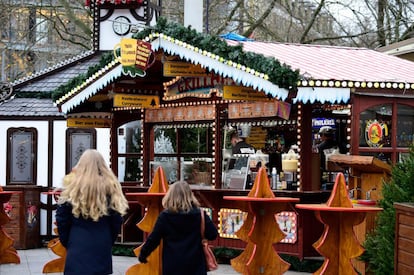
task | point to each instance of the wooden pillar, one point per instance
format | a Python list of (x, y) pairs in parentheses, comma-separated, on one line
[(306, 148), (218, 144), (148, 140), (113, 143)]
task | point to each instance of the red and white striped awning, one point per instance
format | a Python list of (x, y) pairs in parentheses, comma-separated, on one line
[(329, 72), (320, 62)]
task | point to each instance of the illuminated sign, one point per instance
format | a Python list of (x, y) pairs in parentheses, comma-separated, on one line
[(140, 101), (187, 113), (242, 93), (175, 68), (195, 86), (319, 122)]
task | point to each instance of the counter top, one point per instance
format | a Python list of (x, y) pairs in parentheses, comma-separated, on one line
[(325, 207), (258, 199)]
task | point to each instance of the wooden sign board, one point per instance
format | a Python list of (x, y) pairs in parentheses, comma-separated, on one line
[(243, 93), (143, 54), (139, 101), (188, 113), (176, 68), (257, 137), (88, 123)]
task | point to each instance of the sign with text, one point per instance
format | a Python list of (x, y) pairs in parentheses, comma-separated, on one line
[(88, 122), (176, 68), (136, 56), (242, 93), (139, 101), (188, 113), (143, 55), (128, 48), (200, 86), (259, 109), (283, 109)]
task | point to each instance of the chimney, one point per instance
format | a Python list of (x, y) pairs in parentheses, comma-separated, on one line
[(193, 14)]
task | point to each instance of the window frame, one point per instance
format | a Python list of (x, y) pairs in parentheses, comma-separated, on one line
[(33, 154), (182, 157), (128, 154), (69, 133), (362, 103)]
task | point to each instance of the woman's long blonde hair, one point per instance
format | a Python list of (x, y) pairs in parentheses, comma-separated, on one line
[(180, 198), (92, 188)]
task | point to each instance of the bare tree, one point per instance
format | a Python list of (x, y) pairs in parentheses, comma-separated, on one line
[(36, 35), (366, 23)]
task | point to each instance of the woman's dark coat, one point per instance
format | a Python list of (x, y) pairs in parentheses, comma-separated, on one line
[(181, 235), (88, 243)]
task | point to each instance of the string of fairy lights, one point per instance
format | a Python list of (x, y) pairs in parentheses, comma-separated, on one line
[(355, 84)]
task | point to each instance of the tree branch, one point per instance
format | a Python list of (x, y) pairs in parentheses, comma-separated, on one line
[(260, 21), (312, 21), (229, 18)]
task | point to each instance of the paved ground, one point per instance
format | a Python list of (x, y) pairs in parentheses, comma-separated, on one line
[(33, 260)]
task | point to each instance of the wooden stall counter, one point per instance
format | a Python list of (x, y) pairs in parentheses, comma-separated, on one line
[(366, 175), (307, 229), (24, 227)]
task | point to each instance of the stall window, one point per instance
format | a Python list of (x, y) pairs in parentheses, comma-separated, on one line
[(21, 155), (376, 127), (77, 142), (386, 131), (405, 125), (165, 141), (184, 152), (194, 140), (129, 151)]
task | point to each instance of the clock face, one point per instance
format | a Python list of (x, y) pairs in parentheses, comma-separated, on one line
[(121, 25)]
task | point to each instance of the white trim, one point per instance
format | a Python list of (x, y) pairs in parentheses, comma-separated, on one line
[(238, 75), (92, 89), (91, 115), (206, 61), (322, 95)]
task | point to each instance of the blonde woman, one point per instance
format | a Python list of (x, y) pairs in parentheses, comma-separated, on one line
[(89, 215), (178, 226)]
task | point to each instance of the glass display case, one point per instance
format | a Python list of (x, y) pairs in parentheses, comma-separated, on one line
[(240, 170), (196, 171)]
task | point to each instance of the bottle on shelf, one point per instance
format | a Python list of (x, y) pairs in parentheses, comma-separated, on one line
[(278, 182), (282, 180), (274, 178)]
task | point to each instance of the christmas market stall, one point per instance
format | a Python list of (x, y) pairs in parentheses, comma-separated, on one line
[(173, 97)]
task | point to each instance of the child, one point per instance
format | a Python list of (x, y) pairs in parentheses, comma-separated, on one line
[(179, 227)]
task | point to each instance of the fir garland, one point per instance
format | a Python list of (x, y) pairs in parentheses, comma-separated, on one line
[(78, 80), (279, 74)]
